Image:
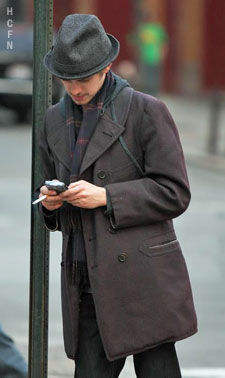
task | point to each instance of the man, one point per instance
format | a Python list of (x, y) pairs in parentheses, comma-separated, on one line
[(125, 286), (152, 41)]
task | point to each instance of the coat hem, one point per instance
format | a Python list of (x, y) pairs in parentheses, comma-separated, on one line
[(143, 349), (136, 351)]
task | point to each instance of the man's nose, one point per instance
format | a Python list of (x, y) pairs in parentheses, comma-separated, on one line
[(75, 88)]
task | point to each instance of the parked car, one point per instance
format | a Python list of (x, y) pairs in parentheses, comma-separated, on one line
[(16, 71)]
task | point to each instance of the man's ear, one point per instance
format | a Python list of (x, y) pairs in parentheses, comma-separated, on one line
[(107, 68)]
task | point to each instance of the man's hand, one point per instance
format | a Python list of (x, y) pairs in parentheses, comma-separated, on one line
[(84, 194), (53, 200)]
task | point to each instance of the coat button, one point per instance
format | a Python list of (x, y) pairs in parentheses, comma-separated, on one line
[(122, 257), (101, 174)]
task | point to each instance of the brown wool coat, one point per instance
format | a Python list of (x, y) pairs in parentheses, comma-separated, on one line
[(137, 271)]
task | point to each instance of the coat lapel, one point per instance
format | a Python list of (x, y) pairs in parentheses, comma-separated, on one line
[(105, 134), (107, 130), (59, 142)]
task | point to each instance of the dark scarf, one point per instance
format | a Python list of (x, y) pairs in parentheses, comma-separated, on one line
[(82, 125)]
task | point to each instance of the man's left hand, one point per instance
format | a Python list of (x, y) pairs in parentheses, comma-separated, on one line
[(84, 194)]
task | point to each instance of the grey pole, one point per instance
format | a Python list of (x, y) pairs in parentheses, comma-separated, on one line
[(213, 138), (39, 244)]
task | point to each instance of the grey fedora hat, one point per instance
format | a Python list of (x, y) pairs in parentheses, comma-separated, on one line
[(82, 48)]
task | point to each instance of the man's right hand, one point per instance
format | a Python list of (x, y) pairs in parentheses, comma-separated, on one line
[(53, 200)]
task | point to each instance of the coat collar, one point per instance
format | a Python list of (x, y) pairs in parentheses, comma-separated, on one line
[(105, 134)]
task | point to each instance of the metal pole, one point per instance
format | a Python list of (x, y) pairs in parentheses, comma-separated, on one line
[(39, 254), (216, 102)]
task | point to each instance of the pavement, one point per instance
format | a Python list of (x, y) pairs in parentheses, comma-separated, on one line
[(192, 117)]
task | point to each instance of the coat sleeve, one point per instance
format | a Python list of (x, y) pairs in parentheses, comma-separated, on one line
[(163, 193), (50, 218)]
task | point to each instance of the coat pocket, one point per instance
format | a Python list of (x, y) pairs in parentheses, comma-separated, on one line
[(160, 249)]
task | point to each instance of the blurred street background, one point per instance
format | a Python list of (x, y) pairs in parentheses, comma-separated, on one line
[(173, 49)]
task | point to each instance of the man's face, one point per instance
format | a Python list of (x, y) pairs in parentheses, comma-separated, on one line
[(83, 90)]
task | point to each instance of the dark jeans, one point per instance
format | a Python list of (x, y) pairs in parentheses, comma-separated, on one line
[(91, 361)]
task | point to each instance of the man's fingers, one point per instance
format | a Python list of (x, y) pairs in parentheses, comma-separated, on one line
[(44, 190), (77, 183), (52, 202), (53, 199), (71, 192), (52, 206)]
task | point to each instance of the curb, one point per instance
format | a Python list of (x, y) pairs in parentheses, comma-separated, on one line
[(208, 162)]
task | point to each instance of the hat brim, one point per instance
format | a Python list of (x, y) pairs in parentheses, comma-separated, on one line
[(48, 62)]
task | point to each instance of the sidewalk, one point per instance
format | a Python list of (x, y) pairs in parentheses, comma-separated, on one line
[(192, 117)]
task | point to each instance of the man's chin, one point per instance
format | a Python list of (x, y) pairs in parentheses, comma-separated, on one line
[(80, 100)]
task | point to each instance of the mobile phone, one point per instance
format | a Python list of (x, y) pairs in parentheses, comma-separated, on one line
[(58, 186)]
